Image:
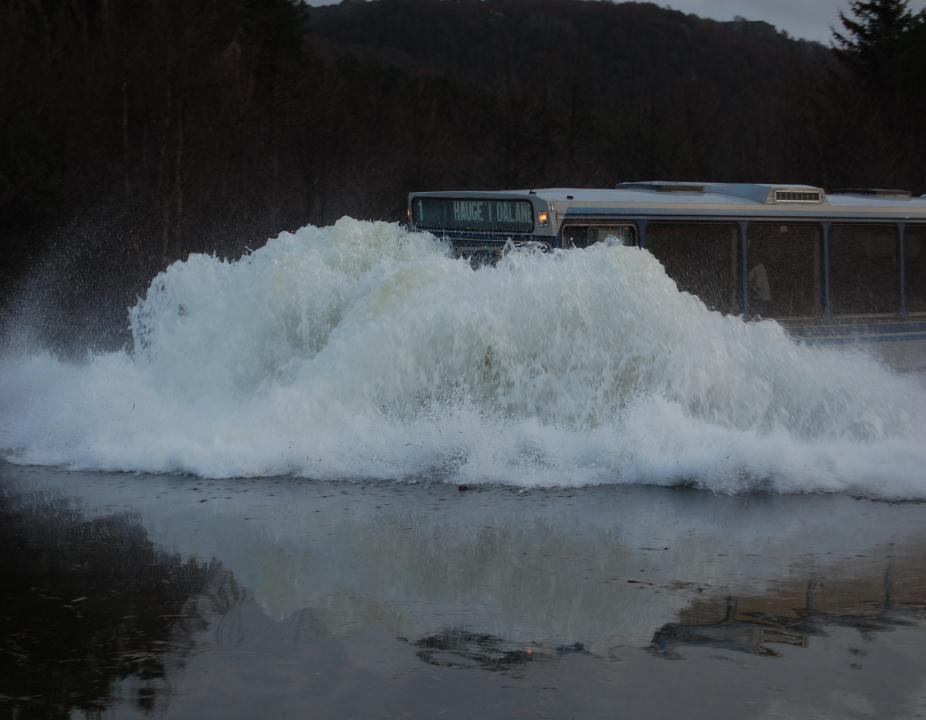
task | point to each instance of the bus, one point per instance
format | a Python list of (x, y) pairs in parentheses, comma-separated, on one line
[(841, 267)]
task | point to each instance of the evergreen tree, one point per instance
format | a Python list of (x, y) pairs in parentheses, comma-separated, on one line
[(873, 35)]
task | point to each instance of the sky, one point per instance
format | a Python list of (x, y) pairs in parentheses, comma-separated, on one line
[(809, 19)]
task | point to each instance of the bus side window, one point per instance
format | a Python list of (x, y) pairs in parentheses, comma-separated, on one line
[(864, 276), (916, 268), (575, 236), (702, 258), (581, 236), (785, 269), (622, 234)]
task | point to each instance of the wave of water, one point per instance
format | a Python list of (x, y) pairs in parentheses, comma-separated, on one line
[(364, 351)]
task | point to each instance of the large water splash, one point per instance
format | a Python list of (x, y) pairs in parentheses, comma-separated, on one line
[(361, 350)]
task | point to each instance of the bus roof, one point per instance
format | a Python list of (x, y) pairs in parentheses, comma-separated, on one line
[(741, 199)]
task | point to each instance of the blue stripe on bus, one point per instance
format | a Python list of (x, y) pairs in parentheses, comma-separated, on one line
[(873, 332), (867, 329), (843, 340)]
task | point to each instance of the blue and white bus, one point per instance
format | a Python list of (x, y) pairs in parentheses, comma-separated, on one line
[(842, 267)]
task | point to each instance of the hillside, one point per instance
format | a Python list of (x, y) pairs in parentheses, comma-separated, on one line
[(609, 91)]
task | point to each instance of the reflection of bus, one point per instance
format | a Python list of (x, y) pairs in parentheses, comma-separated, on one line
[(844, 266), (793, 611)]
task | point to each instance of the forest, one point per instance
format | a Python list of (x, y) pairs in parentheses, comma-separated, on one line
[(135, 132)]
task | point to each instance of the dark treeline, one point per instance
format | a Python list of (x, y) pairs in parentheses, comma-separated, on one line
[(133, 132)]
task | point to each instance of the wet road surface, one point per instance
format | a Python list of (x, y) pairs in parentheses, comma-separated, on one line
[(133, 595)]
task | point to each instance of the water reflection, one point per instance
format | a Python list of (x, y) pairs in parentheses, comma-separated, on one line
[(459, 648), (90, 602), (751, 624), (382, 600), (756, 624)]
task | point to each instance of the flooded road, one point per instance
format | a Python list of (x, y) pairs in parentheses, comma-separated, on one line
[(131, 595)]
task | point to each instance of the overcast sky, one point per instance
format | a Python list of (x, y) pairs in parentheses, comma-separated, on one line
[(809, 19)]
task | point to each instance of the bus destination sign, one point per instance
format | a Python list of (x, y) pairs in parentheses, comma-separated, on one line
[(473, 214)]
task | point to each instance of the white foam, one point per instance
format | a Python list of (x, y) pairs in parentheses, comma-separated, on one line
[(361, 350)]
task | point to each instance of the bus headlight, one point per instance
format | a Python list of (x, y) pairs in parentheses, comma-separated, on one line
[(543, 217)]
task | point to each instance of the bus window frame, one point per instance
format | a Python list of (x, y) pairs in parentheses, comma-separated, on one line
[(824, 225)]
